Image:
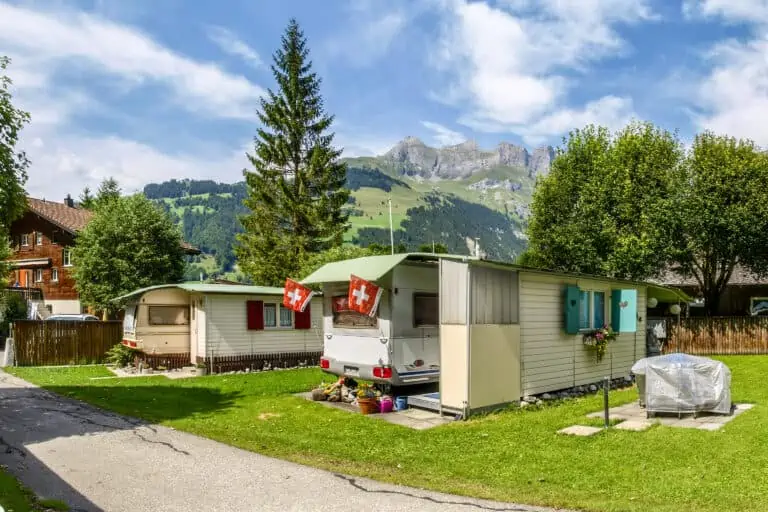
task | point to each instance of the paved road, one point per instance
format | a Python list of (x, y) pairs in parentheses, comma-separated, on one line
[(95, 460)]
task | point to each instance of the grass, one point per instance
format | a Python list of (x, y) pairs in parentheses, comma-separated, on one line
[(512, 456), (14, 497)]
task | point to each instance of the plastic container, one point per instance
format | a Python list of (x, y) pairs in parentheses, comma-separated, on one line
[(386, 404), (401, 403)]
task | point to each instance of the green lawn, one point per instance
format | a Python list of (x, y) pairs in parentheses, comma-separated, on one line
[(14, 497), (514, 456)]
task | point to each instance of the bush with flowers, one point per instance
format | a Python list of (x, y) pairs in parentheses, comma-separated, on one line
[(598, 340)]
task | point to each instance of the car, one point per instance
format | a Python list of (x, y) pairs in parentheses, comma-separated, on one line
[(72, 318)]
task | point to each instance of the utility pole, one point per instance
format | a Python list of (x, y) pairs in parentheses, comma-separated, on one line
[(391, 228)]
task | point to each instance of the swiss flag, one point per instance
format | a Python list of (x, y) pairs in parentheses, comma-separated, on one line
[(363, 296), (296, 296)]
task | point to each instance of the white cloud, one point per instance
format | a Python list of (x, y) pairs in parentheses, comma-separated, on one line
[(513, 65), (370, 31), (735, 11), (444, 136), (77, 161), (733, 97), (229, 43), (64, 39), (610, 111)]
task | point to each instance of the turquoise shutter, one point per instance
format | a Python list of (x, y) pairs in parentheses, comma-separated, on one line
[(571, 309), (624, 310)]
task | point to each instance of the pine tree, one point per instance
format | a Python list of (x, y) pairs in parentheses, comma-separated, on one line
[(296, 190), (86, 200), (109, 190)]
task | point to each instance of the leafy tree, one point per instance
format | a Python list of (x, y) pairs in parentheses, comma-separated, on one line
[(129, 244), (719, 217), (109, 191), (602, 208), (13, 162), (86, 200), (296, 190), (433, 248)]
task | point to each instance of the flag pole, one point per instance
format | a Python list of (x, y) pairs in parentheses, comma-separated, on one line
[(391, 229)]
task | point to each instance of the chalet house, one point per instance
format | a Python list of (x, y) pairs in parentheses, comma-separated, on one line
[(745, 294), (42, 242)]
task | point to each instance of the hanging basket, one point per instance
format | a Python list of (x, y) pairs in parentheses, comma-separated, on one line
[(368, 405)]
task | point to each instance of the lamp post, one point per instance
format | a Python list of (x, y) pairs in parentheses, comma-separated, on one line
[(391, 228)]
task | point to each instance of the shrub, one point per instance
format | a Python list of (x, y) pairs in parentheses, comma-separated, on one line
[(120, 355), (12, 307)]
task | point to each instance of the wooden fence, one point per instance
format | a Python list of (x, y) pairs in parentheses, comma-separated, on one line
[(717, 335), (40, 342)]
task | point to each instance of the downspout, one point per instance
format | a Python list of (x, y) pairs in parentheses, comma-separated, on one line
[(208, 313), (469, 352)]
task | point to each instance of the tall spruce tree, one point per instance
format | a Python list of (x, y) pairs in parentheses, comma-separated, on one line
[(296, 189), (86, 200)]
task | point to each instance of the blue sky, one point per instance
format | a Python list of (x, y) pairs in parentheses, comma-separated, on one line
[(147, 91)]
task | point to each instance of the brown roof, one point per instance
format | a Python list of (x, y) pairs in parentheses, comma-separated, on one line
[(66, 217), (741, 277), (74, 219)]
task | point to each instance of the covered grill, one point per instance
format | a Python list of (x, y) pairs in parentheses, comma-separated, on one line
[(683, 384)]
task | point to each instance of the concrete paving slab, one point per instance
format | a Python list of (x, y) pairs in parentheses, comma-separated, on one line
[(710, 426), (634, 413), (634, 425), (579, 430)]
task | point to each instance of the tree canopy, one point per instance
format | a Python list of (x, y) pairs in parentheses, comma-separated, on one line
[(109, 190), (601, 210), (719, 216), (13, 164), (129, 244), (296, 193)]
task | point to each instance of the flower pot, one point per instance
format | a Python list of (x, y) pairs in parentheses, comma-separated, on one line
[(367, 405)]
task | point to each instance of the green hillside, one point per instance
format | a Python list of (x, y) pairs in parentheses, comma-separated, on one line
[(490, 205)]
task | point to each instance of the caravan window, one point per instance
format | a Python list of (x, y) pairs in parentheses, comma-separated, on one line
[(168, 315), (426, 310), (344, 317)]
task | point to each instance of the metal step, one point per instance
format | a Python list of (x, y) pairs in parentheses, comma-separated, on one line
[(429, 401)]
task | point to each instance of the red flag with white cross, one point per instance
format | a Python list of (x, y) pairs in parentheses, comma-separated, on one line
[(296, 296), (364, 296)]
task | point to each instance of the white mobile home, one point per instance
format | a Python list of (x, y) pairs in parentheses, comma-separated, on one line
[(230, 326), (489, 332)]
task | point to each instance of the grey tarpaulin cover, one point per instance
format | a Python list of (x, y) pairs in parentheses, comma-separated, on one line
[(681, 383)]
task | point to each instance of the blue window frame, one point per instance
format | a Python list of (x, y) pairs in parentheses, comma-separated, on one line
[(584, 309), (598, 300)]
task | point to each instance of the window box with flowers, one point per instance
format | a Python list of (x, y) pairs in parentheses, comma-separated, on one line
[(598, 340)]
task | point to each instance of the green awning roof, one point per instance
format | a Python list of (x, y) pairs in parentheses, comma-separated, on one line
[(370, 268), (234, 289), (667, 294)]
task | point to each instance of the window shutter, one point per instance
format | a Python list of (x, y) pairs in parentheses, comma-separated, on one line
[(303, 320), (255, 315), (571, 309), (624, 310)]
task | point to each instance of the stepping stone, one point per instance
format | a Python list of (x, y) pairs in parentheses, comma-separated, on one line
[(710, 426), (579, 430), (634, 425)]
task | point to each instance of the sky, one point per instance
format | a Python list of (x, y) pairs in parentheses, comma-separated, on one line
[(146, 91)]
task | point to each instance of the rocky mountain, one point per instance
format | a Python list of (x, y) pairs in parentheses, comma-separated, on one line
[(462, 161)]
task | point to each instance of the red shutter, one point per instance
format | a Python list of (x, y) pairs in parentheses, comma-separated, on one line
[(255, 314), (303, 320)]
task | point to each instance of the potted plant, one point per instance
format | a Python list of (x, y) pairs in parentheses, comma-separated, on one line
[(366, 398), (598, 340), (201, 369)]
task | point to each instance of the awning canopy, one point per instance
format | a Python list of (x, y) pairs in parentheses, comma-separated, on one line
[(370, 268), (207, 288), (30, 263)]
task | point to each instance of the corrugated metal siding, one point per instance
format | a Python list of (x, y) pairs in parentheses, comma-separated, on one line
[(453, 292), (554, 360), (227, 334), (494, 296)]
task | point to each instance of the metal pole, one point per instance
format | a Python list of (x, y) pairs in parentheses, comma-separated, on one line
[(606, 386), (391, 228)]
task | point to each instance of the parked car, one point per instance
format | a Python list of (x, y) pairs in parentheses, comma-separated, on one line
[(72, 318)]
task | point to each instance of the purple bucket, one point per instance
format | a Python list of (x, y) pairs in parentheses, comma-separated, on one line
[(386, 404)]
